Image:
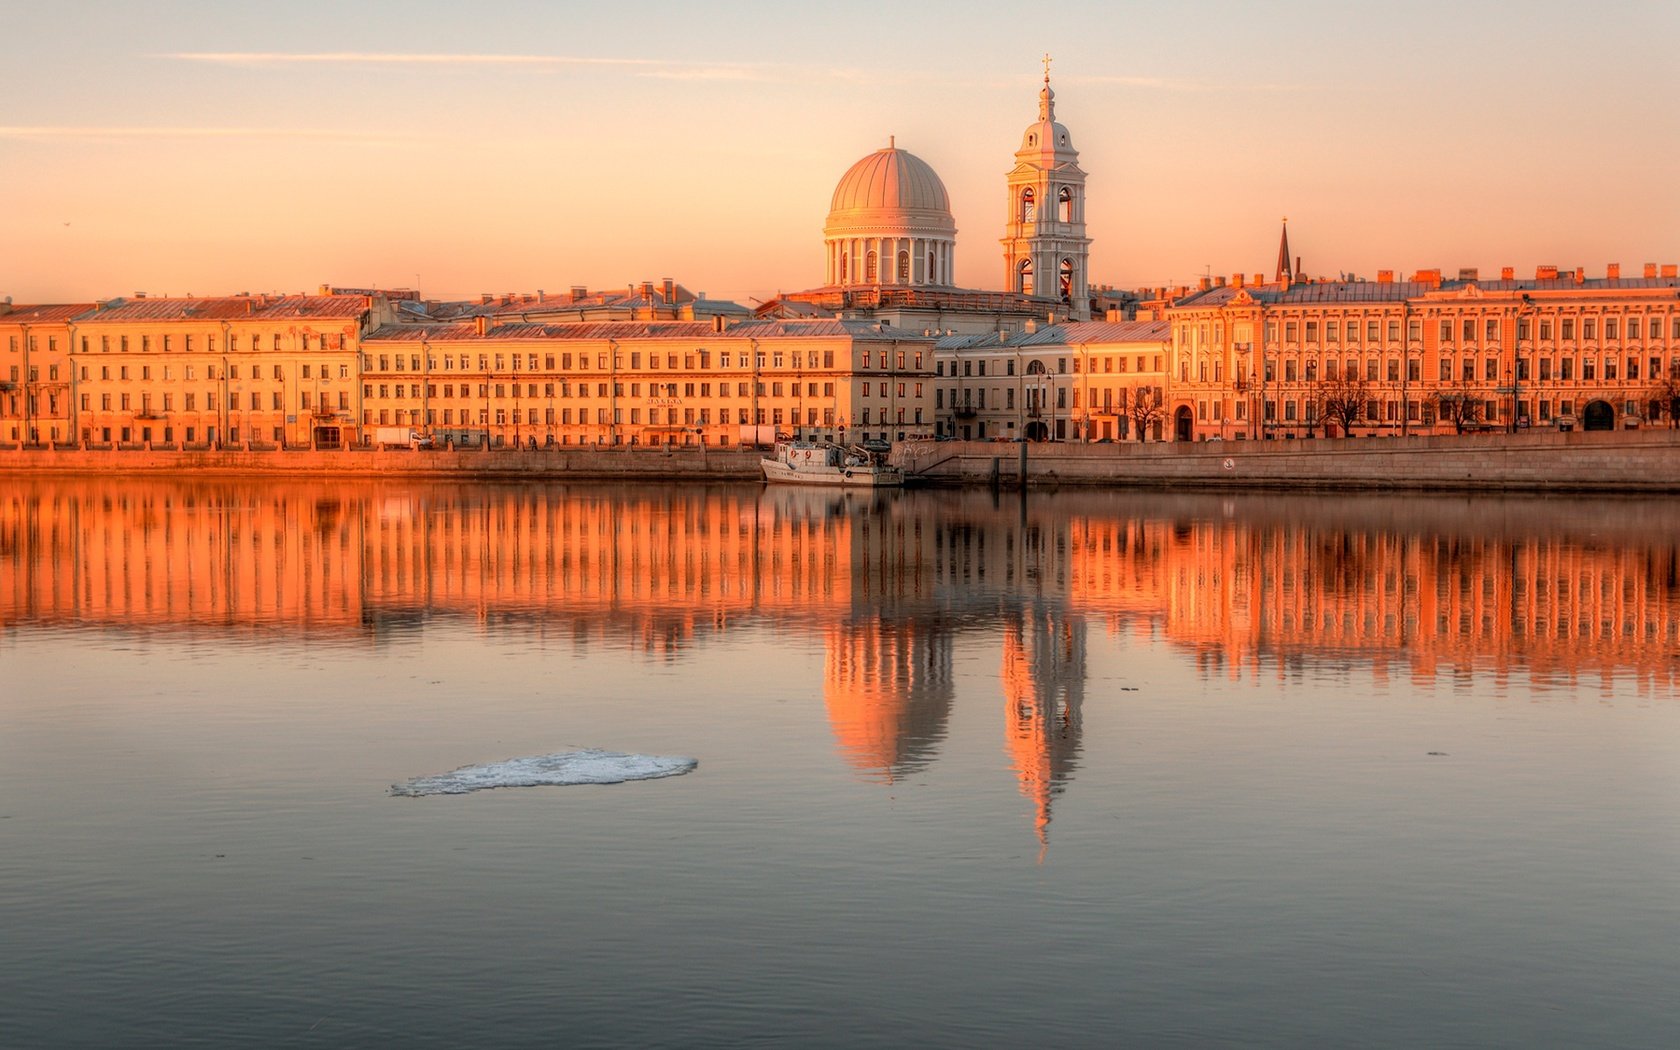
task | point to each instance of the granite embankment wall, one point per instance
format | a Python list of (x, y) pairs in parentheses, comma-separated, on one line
[(545, 464), (1615, 461), (1619, 461)]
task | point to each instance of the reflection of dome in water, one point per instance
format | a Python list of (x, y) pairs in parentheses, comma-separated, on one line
[(888, 692), (890, 223)]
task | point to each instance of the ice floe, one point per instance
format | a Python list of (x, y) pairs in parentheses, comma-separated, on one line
[(589, 766)]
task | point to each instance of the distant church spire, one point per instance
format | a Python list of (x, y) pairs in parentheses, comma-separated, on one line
[(1285, 270)]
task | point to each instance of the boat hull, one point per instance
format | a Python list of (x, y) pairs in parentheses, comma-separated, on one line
[(860, 476)]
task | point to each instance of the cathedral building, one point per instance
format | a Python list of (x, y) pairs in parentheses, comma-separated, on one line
[(890, 243)]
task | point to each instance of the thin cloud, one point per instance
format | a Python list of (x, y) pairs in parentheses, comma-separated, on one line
[(652, 68), (92, 132)]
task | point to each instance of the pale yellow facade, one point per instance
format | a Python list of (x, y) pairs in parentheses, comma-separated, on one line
[(648, 383), (257, 371)]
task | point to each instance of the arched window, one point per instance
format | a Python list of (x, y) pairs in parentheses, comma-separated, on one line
[(1028, 205), (1064, 205), (870, 271), (903, 267), (1024, 278), (1064, 284), (932, 276), (1035, 368)]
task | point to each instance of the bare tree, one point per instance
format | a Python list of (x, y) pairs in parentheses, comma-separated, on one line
[(1664, 399), (1145, 409), (1459, 405), (1341, 400)]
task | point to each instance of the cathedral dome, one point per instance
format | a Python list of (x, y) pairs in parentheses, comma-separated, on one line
[(890, 187), (890, 222)]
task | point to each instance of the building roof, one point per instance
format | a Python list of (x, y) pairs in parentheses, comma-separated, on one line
[(1072, 333), (227, 308), (688, 331), (1398, 291), (43, 313)]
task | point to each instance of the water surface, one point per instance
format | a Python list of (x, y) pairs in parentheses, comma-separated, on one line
[(1087, 769)]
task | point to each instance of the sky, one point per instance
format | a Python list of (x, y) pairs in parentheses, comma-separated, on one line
[(177, 147)]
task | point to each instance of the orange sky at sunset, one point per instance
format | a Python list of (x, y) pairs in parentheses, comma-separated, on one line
[(209, 148)]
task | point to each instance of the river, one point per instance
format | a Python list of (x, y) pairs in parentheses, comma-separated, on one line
[(1076, 769)]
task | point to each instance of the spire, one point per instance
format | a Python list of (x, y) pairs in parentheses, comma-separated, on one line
[(1046, 98), (1285, 271)]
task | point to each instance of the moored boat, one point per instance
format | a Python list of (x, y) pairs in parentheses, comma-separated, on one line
[(825, 463)]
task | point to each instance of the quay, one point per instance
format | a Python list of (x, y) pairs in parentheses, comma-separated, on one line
[(1629, 461)]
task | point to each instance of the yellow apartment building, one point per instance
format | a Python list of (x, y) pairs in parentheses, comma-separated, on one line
[(35, 403), (1075, 381), (1297, 358), (648, 383), (248, 370)]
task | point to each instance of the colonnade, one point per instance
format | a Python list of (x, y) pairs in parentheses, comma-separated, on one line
[(930, 260)]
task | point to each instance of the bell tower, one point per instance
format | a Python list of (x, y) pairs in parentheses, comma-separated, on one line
[(1045, 250)]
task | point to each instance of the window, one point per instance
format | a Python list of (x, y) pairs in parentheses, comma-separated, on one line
[(904, 267), (1024, 278), (1028, 205), (1064, 205), (1568, 328), (871, 261)]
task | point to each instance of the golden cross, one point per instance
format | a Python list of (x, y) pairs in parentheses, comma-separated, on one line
[(1047, 67)]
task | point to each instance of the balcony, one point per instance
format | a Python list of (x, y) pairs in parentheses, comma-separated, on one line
[(148, 413), (965, 412)]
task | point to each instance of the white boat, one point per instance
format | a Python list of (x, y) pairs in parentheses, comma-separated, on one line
[(824, 463)]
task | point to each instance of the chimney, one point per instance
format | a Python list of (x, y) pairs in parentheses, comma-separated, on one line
[(1385, 276), (1236, 280), (1469, 273), (647, 290), (579, 293), (719, 323), (1668, 270), (139, 295), (1219, 282), (1650, 270), (1203, 284), (485, 298), (540, 297), (1259, 279), (481, 324), (1508, 273), (670, 289), (1580, 275), (1545, 273), (1031, 325), (1613, 271)]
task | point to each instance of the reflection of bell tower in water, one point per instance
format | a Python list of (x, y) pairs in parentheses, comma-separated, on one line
[(888, 690), (1043, 677)]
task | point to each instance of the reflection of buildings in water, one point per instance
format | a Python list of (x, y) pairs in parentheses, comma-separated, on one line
[(227, 558), (1560, 588), (1043, 678), (888, 689)]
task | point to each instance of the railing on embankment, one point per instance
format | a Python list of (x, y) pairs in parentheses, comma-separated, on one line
[(1613, 461), (543, 463)]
